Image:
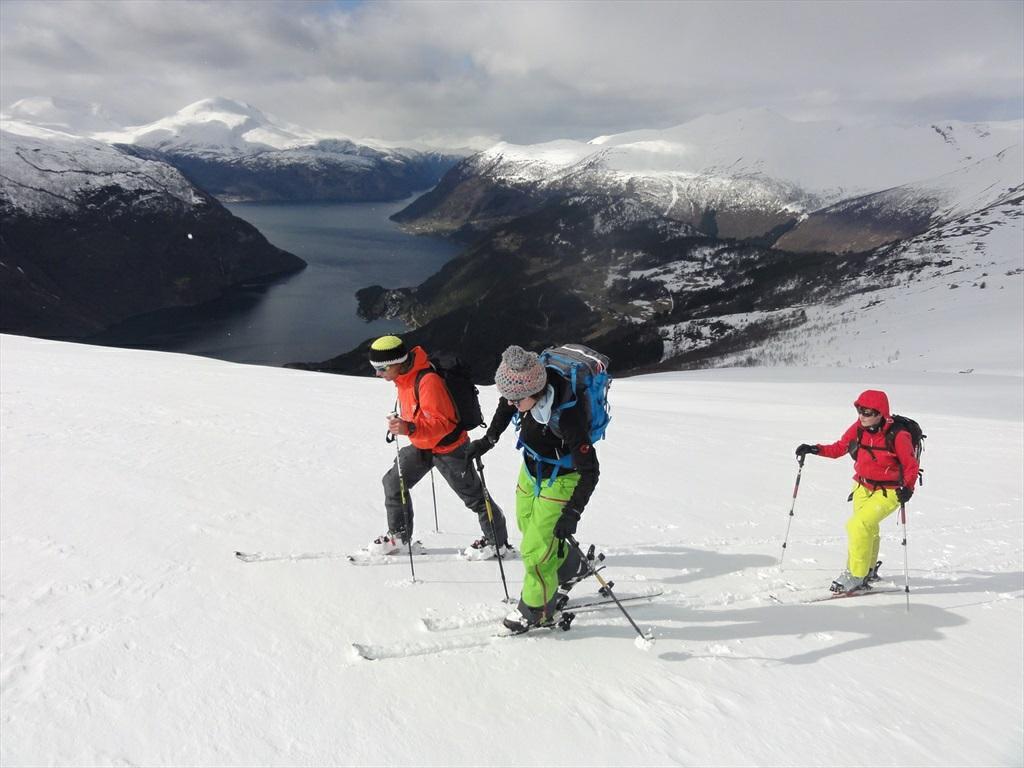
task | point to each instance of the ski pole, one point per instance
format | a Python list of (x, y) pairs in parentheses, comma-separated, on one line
[(433, 493), (490, 519), (406, 505), (607, 588), (906, 566), (796, 488)]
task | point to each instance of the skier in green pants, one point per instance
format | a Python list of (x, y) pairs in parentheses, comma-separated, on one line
[(560, 471)]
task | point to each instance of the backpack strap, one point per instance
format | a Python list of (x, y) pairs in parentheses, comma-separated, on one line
[(416, 388), (452, 436), (565, 462), (573, 396), (857, 444)]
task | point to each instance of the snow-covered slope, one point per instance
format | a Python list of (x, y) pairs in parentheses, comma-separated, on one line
[(132, 635), (47, 172), (950, 299)]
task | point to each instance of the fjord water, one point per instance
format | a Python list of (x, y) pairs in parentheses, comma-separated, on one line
[(309, 316)]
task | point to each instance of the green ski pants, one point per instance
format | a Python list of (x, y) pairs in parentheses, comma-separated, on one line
[(536, 517)]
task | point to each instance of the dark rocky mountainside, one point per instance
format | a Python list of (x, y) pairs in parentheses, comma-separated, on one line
[(660, 295), (91, 237), (555, 276), (337, 171)]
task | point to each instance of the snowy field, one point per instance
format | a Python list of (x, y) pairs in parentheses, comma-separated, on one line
[(131, 635)]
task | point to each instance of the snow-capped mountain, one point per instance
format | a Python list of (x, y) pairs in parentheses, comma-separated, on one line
[(214, 125), (236, 152), (49, 173), (750, 173), (92, 236)]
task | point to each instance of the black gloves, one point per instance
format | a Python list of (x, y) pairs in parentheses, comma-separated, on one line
[(566, 525), (803, 449), (904, 494), (478, 448)]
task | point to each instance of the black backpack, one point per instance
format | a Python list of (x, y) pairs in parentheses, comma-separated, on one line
[(458, 379), (899, 424)]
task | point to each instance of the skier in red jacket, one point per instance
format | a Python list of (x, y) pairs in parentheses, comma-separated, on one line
[(885, 472)]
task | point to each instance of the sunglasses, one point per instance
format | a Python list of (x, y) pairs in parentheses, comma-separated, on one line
[(521, 399), (381, 366), (869, 412)]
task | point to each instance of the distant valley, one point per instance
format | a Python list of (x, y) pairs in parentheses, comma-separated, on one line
[(703, 244), (102, 224)]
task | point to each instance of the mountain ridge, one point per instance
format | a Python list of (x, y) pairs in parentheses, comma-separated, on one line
[(238, 153), (743, 174), (92, 236)]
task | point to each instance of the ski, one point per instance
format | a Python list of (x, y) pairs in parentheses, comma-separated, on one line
[(597, 603), (485, 638), (265, 557), (433, 555), (398, 651), (578, 605), (456, 643), (839, 596)]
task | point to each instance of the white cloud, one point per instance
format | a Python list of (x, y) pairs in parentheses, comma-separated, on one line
[(528, 71)]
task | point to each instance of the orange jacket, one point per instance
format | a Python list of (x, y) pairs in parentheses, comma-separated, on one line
[(434, 416)]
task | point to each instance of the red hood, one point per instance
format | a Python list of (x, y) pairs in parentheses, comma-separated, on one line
[(875, 399), (419, 362)]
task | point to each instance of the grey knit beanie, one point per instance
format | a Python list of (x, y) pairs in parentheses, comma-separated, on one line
[(520, 374)]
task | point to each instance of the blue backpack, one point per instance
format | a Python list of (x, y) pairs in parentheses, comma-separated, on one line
[(589, 381), (586, 371)]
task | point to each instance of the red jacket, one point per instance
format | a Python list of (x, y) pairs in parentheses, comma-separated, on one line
[(875, 465), (434, 418)]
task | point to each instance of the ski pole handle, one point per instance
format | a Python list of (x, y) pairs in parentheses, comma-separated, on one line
[(390, 437)]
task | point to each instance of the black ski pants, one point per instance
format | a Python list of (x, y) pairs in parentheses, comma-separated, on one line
[(461, 478)]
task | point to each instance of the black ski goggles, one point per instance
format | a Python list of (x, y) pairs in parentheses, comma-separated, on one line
[(869, 412)]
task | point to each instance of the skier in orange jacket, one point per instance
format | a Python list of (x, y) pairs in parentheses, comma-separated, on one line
[(427, 416)]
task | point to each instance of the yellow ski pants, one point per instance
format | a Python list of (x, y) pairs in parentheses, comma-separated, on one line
[(869, 509)]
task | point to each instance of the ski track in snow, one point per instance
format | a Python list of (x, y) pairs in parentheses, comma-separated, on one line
[(128, 621)]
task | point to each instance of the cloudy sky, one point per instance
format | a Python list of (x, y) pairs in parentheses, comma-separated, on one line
[(523, 71)]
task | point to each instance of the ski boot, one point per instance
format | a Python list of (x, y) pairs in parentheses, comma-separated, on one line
[(587, 570), (846, 583)]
